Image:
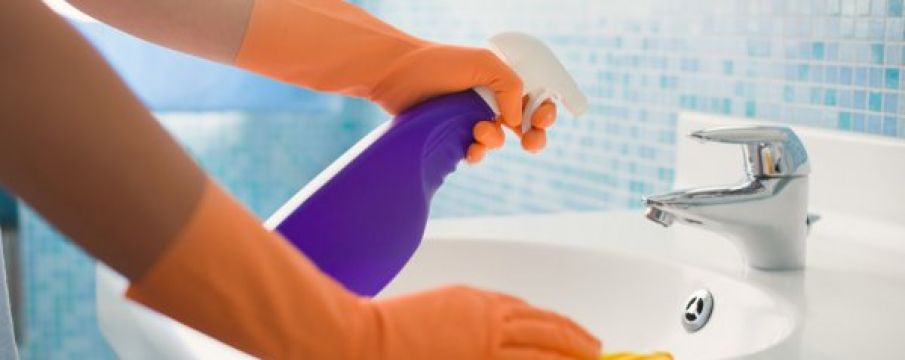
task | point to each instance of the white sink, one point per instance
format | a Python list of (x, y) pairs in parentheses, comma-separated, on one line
[(631, 302)]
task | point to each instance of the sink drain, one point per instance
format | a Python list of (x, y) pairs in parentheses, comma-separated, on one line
[(697, 310)]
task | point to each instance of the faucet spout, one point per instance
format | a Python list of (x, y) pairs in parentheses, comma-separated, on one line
[(766, 215), (683, 199)]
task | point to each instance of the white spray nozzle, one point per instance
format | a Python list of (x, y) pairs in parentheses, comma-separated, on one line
[(543, 76)]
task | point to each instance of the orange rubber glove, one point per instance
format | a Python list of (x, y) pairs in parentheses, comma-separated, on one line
[(228, 277), (335, 46)]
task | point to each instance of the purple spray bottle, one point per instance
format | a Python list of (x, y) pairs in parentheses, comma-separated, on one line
[(362, 218)]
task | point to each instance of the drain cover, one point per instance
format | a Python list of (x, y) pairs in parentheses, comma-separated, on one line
[(697, 310)]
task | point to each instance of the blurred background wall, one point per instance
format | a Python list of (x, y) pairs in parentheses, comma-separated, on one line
[(823, 63)]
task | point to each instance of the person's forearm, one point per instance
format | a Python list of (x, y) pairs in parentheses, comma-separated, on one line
[(77, 146), (212, 29)]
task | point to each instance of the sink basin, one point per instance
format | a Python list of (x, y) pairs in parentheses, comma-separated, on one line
[(630, 302)]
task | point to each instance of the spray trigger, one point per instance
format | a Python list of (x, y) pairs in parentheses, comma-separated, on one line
[(543, 76)]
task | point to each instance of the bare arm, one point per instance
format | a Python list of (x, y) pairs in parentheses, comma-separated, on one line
[(212, 29), (81, 149)]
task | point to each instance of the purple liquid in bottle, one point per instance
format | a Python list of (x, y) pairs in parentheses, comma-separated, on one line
[(363, 224)]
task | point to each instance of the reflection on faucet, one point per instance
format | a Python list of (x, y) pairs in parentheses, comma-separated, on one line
[(766, 215)]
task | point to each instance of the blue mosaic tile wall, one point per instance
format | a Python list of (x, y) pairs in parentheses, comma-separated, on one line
[(60, 316), (825, 63)]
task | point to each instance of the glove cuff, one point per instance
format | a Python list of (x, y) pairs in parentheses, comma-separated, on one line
[(227, 276)]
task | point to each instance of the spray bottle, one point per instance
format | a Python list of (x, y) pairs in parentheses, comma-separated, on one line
[(362, 218)]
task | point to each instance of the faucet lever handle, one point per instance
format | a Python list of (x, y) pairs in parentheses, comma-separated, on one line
[(770, 151), (743, 134)]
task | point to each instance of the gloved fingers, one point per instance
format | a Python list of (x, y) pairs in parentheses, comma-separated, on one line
[(550, 336), (489, 133), (532, 313), (475, 153), (534, 140), (505, 84), (519, 353), (544, 116)]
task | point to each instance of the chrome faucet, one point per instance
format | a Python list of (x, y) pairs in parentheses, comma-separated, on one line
[(766, 215)]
